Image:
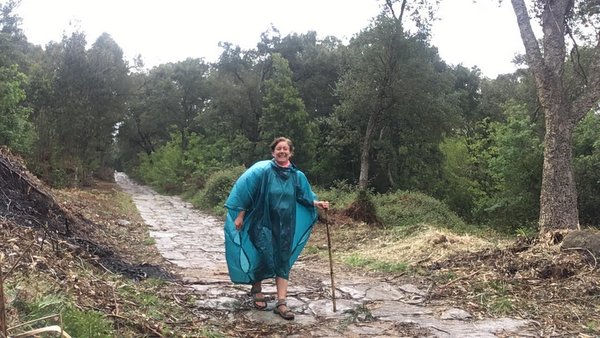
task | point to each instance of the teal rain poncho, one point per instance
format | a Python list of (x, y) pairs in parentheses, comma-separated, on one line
[(277, 224)]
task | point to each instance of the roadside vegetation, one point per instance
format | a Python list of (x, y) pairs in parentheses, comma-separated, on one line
[(111, 280), (435, 172)]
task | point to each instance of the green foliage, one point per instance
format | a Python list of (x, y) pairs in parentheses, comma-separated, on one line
[(494, 176), (217, 189), (91, 324), (284, 113), (163, 169), (341, 194), (459, 188), (208, 333), (315, 65), (15, 129), (495, 296), (396, 100), (527, 233), (501, 306), (172, 170), (592, 327), (147, 300), (515, 165), (54, 173), (235, 105), (209, 152), (76, 322), (78, 98), (586, 162), (408, 209)]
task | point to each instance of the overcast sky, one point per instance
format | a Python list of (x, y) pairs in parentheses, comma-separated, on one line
[(473, 34)]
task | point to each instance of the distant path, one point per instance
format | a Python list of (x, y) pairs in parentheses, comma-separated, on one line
[(365, 307)]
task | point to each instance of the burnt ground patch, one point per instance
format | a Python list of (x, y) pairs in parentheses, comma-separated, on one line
[(26, 202)]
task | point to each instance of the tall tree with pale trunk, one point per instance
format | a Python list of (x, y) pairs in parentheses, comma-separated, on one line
[(565, 25)]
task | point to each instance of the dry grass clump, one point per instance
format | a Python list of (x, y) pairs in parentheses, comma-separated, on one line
[(428, 244), (398, 245)]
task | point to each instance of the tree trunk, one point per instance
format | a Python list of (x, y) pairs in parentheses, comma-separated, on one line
[(365, 151), (558, 197), (558, 200)]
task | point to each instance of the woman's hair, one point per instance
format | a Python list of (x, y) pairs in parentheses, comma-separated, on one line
[(282, 139)]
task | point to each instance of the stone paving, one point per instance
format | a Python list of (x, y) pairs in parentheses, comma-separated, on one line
[(365, 307)]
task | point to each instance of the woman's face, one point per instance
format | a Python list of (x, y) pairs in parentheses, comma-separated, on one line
[(282, 152)]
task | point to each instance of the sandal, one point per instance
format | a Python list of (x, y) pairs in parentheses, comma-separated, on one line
[(286, 314), (257, 297)]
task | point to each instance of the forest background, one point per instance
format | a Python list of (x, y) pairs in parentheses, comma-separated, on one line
[(383, 114)]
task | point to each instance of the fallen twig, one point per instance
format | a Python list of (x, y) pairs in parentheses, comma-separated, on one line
[(459, 278)]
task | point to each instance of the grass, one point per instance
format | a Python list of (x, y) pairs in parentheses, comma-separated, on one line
[(358, 314), (395, 250), (311, 250), (39, 304), (502, 305), (149, 241)]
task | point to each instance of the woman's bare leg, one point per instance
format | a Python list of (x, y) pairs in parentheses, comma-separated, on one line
[(282, 286), (281, 307), (259, 295)]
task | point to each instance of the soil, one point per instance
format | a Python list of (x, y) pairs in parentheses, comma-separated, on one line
[(46, 231)]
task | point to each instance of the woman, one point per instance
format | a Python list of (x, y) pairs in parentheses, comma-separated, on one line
[(271, 211)]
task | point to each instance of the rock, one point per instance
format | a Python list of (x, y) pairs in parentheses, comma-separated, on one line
[(123, 222), (583, 239), (455, 313)]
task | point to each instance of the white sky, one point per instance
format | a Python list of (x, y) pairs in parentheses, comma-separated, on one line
[(481, 34)]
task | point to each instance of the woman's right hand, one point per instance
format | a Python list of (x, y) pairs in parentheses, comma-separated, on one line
[(239, 220)]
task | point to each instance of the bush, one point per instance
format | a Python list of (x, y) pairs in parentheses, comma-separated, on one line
[(341, 194), (217, 188), (163, 170), (409, 209)]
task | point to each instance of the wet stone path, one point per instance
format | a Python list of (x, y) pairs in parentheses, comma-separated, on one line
[(365, 307)]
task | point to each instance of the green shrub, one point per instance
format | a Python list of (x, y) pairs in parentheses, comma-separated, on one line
[(217, 188), (409, 209), (341, 194), (163, 169)]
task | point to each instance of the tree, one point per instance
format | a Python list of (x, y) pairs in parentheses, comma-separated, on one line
[(15, 127), (284, 113), (190, 79), (78, 97), (315, 65), (236, 104), (563, 107), (109, 88), (395, 91)]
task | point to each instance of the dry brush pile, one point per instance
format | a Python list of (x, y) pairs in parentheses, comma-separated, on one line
[(54, 242)]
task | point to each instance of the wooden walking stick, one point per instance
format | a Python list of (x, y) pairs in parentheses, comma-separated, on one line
[(3, 326), (330, 258)]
